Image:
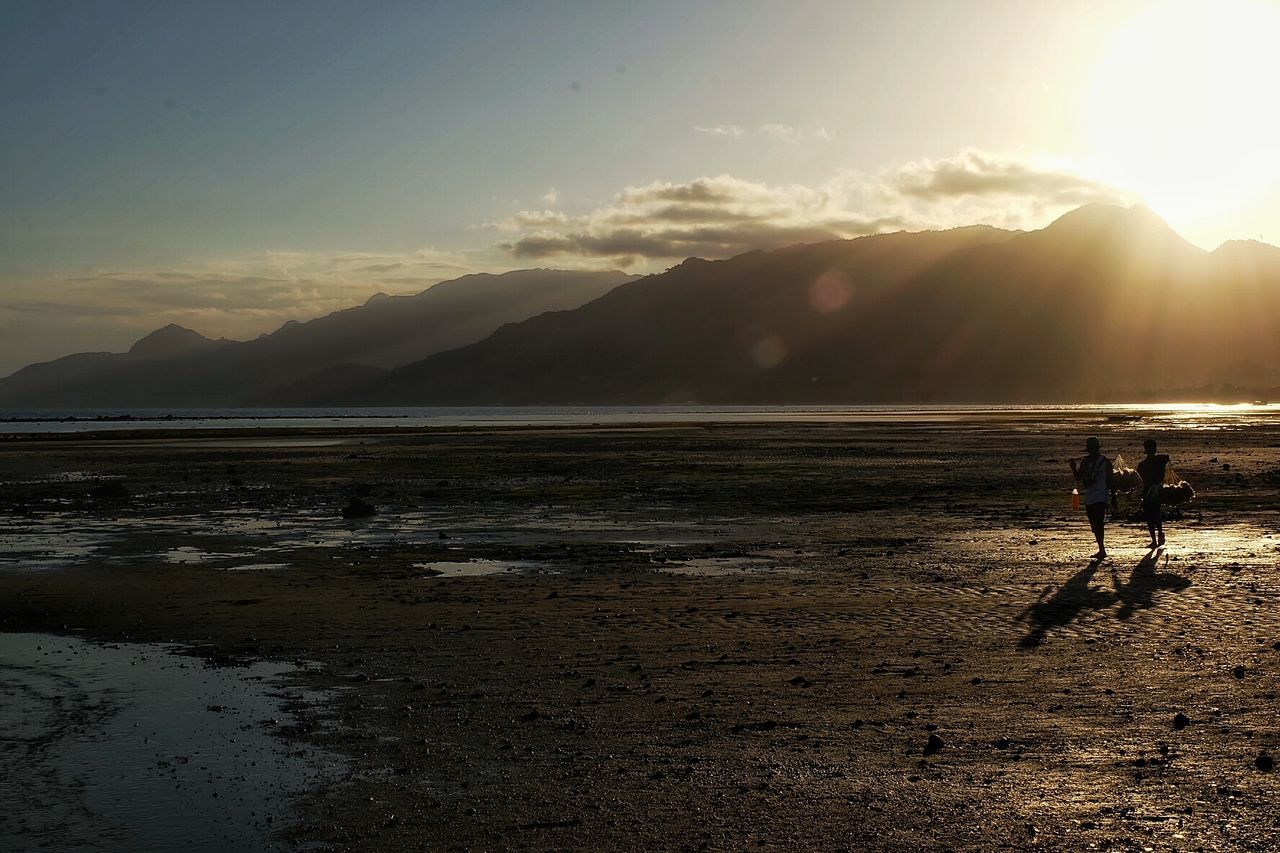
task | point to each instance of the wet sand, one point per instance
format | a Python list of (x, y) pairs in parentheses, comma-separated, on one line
[(703, 637)]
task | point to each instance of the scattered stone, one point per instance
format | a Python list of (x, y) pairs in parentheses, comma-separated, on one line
[(934, 745), (1181, 721), (113, 491), (358, 508)]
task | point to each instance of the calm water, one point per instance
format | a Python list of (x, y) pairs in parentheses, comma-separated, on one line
[(128, 746), (17, 422)]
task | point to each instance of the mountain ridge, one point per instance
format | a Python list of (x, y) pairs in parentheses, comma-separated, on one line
[(174, 366), (1103, 301)]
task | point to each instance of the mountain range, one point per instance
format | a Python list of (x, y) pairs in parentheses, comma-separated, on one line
[(301, 361), (1105, 303)]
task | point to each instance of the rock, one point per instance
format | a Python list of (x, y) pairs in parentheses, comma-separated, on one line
[(1001, 743), (113, 491), (1264, 762), (1238, 672), (934, 745), (358, 508), (530, 717), (1180, 721)]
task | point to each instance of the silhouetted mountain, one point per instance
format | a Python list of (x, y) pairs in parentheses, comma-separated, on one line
[(1103, 303), (321, 385), (170, 342), (177, 367)]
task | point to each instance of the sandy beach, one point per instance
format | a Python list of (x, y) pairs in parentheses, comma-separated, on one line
[(685, 637)]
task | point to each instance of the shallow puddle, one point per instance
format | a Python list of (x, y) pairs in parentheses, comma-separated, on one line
[(720, 566), (474, 568), (137, 747), (187, 555)]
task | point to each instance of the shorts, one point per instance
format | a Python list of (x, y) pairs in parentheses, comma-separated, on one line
[(1097, 514)]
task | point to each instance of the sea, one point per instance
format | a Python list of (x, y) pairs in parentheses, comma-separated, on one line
[(15, 422)]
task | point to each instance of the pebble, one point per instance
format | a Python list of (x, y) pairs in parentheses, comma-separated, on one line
[(358, 508)]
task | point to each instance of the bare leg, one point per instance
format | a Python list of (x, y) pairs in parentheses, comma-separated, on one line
[(1097, 521)]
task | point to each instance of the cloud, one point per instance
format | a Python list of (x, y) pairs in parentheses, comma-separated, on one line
[(551, 196), (785, 132), (717, 216), (731, 131), (974, 174), (797, 133), (709, 217)]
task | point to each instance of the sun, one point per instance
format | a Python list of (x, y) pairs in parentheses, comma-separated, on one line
[(1183, 110)]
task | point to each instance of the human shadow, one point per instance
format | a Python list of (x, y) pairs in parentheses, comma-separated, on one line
[(1065, 605), (1139, 592)]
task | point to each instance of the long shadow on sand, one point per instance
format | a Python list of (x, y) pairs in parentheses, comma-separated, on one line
[(1139, 592), (1075, 596), (1062, 608)]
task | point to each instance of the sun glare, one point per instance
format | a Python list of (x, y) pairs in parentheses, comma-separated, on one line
[(1183, 108)]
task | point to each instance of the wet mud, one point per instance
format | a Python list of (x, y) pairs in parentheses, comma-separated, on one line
[(826, 636)]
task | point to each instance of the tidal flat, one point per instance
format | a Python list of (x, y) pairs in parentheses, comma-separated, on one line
[(699, 636)]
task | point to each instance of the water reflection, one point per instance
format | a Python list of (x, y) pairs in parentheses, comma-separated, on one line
[(136, 747)]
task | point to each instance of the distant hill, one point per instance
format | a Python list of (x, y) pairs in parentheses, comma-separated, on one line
[(177, 367), (1104, 303)]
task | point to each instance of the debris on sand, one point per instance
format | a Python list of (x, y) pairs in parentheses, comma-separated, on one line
[(934, 744), (113, 491), (358, 508), (1181, 721)]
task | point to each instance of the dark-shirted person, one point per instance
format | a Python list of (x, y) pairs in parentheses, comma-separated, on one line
[(1097, 481), (1152, 471)]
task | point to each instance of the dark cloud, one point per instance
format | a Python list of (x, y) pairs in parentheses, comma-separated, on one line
[(974, 174), (630, 246), (715, 217)]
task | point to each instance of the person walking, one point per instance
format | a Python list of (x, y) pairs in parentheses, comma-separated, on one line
[(1097, 479), (1152, 470)]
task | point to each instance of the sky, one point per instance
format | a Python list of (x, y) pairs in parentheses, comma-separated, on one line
[(229, 166)]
